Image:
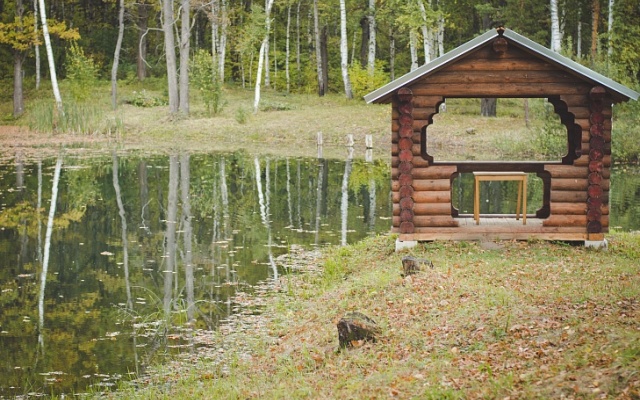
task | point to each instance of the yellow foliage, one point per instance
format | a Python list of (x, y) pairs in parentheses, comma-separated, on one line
[(21, 36)]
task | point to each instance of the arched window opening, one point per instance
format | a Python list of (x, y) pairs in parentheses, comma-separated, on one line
[(527, 129)]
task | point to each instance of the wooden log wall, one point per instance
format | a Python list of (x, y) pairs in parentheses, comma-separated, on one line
[(421, 192)]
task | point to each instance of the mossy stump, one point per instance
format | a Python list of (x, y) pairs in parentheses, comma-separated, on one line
[(354, 328), (412, 265)]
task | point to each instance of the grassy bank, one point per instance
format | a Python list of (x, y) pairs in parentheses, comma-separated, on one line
[(286, 125), (490, 320)]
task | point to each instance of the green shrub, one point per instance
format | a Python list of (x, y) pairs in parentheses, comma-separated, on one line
[(204, 79), (362, 83), (82, 73), (145, 99), (242, 115), (551, 138), (625, 141)]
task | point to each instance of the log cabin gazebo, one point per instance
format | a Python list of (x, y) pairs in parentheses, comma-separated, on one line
[(503, 64)]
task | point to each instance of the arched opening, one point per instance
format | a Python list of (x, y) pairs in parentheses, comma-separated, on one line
[(527, 129)]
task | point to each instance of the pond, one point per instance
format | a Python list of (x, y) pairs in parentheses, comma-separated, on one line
[(137, 240), (130, 241)]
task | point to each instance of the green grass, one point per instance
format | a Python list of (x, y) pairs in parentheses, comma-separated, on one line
[(531, 320)]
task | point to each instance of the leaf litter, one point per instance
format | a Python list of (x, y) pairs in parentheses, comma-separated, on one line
[(524, 320)]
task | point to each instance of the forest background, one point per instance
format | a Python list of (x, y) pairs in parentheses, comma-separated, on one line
[(174, 53)]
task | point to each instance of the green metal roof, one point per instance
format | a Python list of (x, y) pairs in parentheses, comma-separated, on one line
[(383, 94)]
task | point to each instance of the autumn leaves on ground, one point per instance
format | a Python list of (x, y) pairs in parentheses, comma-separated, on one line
[(499, 320)]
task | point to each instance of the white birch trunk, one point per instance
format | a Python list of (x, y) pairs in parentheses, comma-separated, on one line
[(344, 202), (426, 35), (185, 44), (609, 26), (215, 27), (187, 235), (170, 54), (52, 65), (441, 35), (47, 249), (222, 46), (36, 46), (123, 230), (116, 56), (371, 56), (344, 51), (413, 48), (170, 234), (392, 54), (316, 33), (262, 58), (287, 52), (579, 39), (556, 39), (267, 77), (298, 63)]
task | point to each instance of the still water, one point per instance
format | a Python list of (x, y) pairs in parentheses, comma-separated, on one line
[(133, 240)]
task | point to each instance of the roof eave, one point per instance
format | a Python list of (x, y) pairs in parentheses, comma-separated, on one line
[(571, 65), (383, 94)]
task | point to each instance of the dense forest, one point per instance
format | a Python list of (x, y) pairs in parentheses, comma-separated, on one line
[(304, 46)]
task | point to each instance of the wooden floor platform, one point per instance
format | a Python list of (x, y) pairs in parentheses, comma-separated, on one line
[(494, 227)]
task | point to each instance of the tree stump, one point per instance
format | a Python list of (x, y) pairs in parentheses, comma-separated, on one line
[(412, 265), (354, 327)]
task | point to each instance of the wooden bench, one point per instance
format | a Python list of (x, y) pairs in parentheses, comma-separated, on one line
[(521, 177)]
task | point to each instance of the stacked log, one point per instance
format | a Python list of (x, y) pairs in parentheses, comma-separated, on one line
[(421, 192), (404, 180), (599, 146)]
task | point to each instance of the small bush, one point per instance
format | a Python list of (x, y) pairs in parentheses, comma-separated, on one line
[(362, 83), (204, 78), (82, 73), (625, 141), (551, 139), (145, 99), (242, 115)]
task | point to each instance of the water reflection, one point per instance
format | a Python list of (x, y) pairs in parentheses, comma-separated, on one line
[(137, 246)]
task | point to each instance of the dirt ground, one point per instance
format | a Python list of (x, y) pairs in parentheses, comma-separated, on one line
[(17, 141)]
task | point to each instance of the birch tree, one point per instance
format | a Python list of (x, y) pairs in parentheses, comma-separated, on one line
[(440, 34), (222, 47), (371, 54), (427, 37), (52, 64), (413, 49), (609, 27), (595, 18), (261, 57), (116, 56), (168, 22), (287, 52), (36, 49), (185, 40), (322, 85), (556, 38), (344, 51), (20, 35)]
